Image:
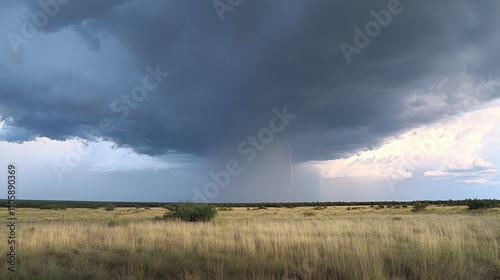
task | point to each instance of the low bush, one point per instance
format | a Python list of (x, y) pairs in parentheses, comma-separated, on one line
[(419, 206), (309, 213), (109, 207), (191, 212), (62, 207), (478, 204), (114, 223)]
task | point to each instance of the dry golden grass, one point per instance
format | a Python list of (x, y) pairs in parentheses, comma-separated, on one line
[(440, 243)]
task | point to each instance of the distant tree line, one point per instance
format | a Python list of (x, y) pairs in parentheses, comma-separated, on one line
[(57, 204), (47, 204)]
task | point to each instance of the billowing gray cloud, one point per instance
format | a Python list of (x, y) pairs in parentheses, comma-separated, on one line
[(226, 77)]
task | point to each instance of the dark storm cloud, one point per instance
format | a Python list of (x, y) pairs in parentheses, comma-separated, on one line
[(226, 77), (71, 12)]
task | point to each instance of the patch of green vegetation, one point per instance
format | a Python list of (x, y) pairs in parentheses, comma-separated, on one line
[(309, 214), (48, 207), (109, 207), (114, 223), (419, 206), (191, 212), (479, 204)]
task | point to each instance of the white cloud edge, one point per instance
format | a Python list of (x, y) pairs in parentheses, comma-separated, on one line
[(450, 149)]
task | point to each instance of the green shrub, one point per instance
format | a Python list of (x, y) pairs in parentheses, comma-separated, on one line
[(109, 207), (48, 206), (478, 204), (191, 212), (62, 207), (114, 223), (419, 206), (309, 213)]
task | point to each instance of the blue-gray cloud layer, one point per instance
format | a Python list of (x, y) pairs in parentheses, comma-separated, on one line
[(225, 77)]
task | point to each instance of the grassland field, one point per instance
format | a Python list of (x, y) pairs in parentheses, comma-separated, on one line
[(274, 243)]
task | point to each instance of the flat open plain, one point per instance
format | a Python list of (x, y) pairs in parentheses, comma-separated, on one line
[(442, 242)]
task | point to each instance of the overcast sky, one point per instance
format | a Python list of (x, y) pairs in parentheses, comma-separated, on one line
[(250, 100)]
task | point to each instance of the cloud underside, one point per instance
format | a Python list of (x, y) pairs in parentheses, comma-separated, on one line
[(448, 150), (226, 77)]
